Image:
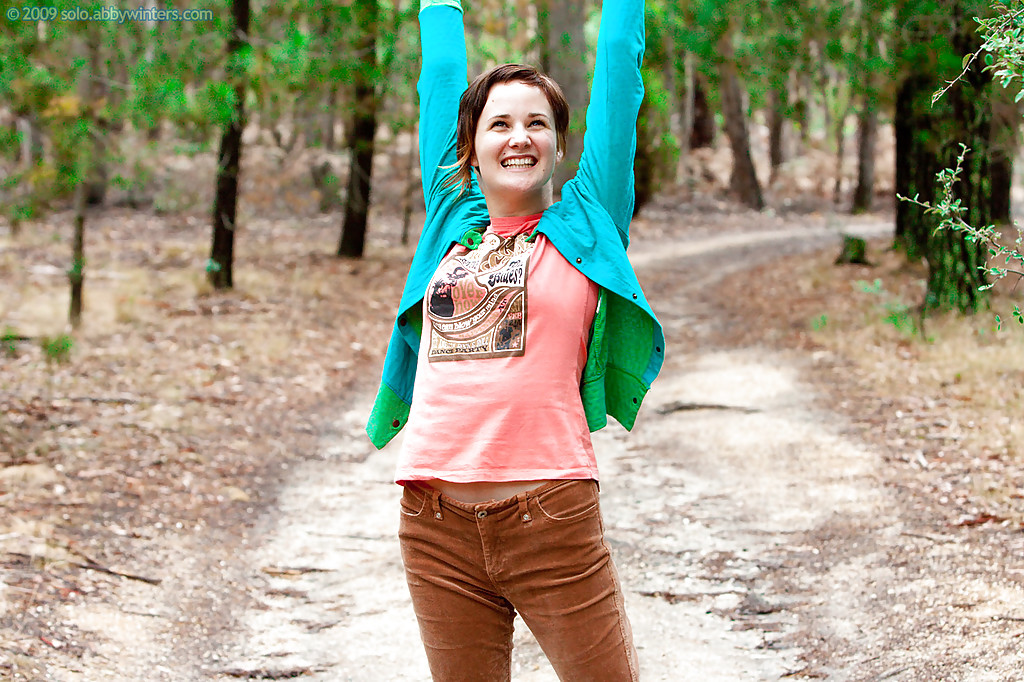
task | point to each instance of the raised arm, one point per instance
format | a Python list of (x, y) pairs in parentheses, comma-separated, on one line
[(609, 143), (442, 81)]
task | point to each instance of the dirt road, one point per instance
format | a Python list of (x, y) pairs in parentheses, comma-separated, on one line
[(756, 539)]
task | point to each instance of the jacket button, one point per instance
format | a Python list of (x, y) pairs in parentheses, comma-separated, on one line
[(579, 260), (635, 401), (634, 297), (396, 423), (657, 349)]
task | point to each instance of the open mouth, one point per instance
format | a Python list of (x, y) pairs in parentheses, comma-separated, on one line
[(519, 162)]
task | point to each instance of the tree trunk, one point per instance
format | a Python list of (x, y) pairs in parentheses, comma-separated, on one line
[(154, 28), (928, 139), (822, 83), (411, 185), (867, 137), (76, 273), (225, 203), (804, 107), (1001, 178), (867, 118), (97, 176), (840, 133), (688, 100), (330, 107), (644, 162), (702, 134), (565, 53), (1003, 149), (474, 27), (363, 131), (743, 180), (31, 141), (776, 120), (915, 174)]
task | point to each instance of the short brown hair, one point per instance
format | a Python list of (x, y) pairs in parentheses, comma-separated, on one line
[(471, 105)]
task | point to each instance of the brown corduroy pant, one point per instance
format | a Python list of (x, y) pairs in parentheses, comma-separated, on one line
[(471, 567)]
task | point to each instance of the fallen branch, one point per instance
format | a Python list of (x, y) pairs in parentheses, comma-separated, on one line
[(93, 566), (687, 407), (289, 571), (104, 401), (264, 674)]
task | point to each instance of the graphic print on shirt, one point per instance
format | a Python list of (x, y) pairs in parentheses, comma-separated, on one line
[(476, 303)]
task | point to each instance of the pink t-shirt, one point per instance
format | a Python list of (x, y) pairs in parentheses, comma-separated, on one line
[(503, 346)]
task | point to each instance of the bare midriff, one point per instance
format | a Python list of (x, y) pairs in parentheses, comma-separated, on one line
[(482, 491)]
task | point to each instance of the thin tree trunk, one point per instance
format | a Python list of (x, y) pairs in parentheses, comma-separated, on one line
[(225, 204), (804, 108), (96, 178), (411, 185), (31, 142), (913, 177), (689, 97), (566, 56), (644, 161), (743, 180), (364, 129), (867, 117), (330, 107), (474, 35), (840, 131), (1002, 150), (76, 273), (154, 28), (776, 120), (1001, 179), (669, 73), (867, 137), (823, 84), (703, 131)]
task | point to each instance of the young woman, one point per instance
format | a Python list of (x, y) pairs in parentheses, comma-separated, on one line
[(522, 326)]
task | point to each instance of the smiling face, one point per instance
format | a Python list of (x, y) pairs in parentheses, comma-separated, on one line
[(515, 150)]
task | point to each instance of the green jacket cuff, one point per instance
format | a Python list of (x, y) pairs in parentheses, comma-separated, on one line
[(389, 415)]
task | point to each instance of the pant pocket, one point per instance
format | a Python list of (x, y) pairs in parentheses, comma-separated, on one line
[(413, 502), (571, 501)]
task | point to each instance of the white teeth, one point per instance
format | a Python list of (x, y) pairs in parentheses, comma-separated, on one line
[(518, 163)]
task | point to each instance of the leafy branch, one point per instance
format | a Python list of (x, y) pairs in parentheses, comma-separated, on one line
[(1002, 45), (950, 210)]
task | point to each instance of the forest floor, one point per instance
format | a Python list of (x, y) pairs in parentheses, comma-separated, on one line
[(820, 486)]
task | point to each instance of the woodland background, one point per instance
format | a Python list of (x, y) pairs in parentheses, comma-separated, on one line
[(96, 111)]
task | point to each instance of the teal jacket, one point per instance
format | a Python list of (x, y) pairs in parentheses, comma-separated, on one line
[(589, 225)]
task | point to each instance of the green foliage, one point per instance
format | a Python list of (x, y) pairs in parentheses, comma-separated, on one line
[(9, 341), (57, 348), (896, 313), (1002, 49)]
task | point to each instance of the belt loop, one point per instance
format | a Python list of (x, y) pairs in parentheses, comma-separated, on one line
[(435, 502), (524, 512)]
